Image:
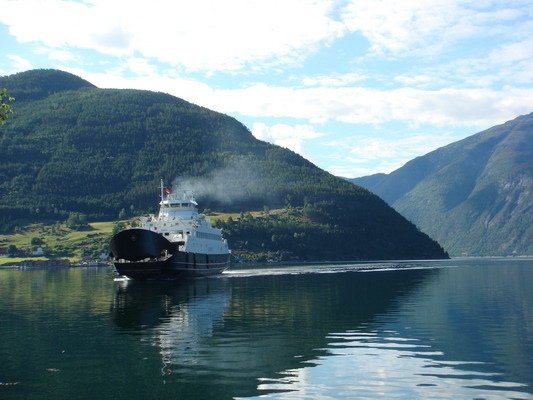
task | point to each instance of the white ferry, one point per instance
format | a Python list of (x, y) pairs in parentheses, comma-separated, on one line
[(178, 242)]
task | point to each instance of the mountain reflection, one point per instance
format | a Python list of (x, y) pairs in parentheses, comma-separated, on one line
[(465, 333), (219, 337)]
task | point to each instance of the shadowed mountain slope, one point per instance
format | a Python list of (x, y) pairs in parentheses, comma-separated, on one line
[(474, 196)]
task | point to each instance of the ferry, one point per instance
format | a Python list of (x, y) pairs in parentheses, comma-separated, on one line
[(178, 242)]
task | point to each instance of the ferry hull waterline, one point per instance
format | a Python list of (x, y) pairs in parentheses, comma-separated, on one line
[(177, 243)]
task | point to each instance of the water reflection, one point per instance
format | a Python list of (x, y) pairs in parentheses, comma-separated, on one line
[(227, 335), (180, 316), (380, 366), (464, 333), (140, 305), (417, 332)]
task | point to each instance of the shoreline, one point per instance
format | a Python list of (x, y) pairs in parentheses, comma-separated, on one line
[(65, 263), (50, 264)]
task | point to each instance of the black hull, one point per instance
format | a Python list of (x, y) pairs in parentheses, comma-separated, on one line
[(179, 265), (142, 254), (139, 244), (140, 270)]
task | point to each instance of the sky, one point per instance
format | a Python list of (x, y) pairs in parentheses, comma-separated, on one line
[(355, 86)]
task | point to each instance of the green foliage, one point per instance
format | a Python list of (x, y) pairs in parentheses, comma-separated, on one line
[(36, 241), (117, 227), (73, 149), (5, 105), (293, 235), (12, 250), (77, 221), (41, 83)]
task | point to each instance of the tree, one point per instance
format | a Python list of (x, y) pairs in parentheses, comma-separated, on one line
[(76, 221), (117, 227), (36, 241), (12, 250), (5, 106)]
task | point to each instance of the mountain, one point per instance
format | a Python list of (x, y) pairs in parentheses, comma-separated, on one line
[(71, 147), (473, 196), (38, 84)]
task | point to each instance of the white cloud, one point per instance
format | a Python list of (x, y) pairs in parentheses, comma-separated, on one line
[(333, 80), (396, 26), (514, 61), (66, 23), (203, 35), (19, 63), (399, 27), (356, 105), (289, 136), (477, 107), (359, 156), (356, 171), (396, 148), (140, 66), (512, 52), (510, 63), (61, 55)]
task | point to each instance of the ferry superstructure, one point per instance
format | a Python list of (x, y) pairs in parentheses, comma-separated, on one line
[(177, 242)]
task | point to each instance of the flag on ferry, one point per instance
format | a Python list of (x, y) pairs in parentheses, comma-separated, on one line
[(168, 190)]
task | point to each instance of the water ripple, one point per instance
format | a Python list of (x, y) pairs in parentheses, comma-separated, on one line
[(377, 365)]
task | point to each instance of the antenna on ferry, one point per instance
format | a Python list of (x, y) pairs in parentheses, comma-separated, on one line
[(161, 189)]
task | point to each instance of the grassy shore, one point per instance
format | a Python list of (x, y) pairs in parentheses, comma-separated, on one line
[(88, 242), (57, 241)]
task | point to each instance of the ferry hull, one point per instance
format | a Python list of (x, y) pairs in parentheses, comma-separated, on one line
[(139, 244), (142, 254), (140, 270), (195, 264), (179, 265)]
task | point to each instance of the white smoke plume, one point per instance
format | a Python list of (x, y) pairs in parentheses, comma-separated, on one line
[(238, 182)]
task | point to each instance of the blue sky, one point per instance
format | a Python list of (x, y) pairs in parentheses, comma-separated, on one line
[(355, 86)]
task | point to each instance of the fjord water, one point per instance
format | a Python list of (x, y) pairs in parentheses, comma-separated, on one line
[(442, 329)]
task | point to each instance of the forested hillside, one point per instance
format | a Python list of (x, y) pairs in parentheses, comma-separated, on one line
[(474, 196), (70, 147)]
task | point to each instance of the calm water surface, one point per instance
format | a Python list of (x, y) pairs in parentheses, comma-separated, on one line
[(448, 329)]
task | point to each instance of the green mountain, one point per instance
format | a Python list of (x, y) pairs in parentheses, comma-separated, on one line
[(474, 196), (71, 147), (38, 84)]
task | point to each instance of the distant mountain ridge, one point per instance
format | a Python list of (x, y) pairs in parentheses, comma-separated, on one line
[(474, 196), (71, 147)]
